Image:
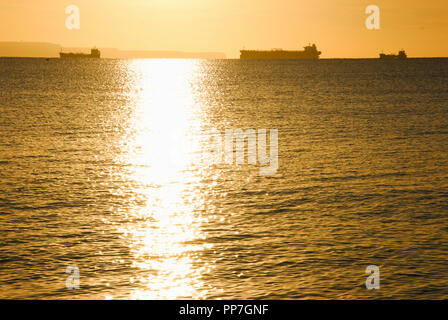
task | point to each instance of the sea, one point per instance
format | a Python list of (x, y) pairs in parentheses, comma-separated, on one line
[(104, 193)]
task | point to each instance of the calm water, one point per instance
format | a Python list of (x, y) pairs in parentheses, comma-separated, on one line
[(99, 169)]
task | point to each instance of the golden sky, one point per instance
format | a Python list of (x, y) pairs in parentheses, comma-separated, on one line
[(336, 26)]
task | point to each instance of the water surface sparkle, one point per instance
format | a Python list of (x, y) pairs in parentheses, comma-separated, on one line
[(102, 167)]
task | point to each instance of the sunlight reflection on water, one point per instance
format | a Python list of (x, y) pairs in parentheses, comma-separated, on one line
[(158, 147)]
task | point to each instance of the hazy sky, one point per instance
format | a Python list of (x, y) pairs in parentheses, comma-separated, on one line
[(336, 26)]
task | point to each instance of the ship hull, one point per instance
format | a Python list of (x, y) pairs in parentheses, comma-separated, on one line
[(77, 56), (400, 55), (391, 57)]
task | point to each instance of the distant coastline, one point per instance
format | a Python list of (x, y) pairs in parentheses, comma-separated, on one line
[(51, 50), (47, 50)]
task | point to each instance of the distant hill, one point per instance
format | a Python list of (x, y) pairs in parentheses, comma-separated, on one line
[(29, 49), (141, 54), (50, 50)]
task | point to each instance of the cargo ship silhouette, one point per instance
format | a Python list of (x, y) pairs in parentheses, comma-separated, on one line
[(94, 53), (400, 55), (309, 52)]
